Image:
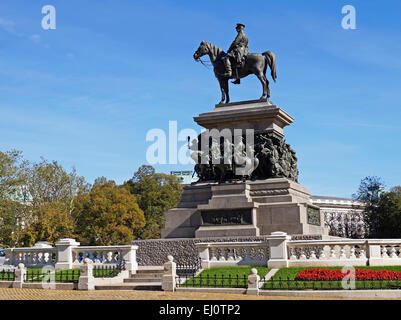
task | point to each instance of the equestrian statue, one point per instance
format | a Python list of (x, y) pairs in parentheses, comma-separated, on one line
[(237, 63)]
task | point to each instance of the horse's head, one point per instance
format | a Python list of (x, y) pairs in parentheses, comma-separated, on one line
[(202, 50)]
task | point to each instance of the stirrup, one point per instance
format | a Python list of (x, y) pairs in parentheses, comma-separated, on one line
[(237, 81)]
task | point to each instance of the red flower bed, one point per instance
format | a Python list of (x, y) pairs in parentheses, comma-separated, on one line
[(337, 275)]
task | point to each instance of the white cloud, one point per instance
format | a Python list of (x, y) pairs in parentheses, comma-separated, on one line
[(8, 26), (35, 38)]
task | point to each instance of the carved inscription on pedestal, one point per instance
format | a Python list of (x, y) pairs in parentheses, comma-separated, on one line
[(226, 217)]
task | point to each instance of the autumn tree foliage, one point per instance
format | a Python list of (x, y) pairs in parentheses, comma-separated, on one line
[(107, 215), (41, 201), (156, 193)]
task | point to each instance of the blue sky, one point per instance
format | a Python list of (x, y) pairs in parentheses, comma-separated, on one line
[(87, 93)]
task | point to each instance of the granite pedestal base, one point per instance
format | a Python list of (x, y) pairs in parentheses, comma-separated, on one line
[(251, 208)]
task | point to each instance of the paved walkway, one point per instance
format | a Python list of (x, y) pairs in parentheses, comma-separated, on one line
[(40, 294)]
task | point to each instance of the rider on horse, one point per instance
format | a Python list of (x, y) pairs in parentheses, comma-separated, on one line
[(237, 51)]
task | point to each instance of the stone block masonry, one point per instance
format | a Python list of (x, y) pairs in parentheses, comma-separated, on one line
[(155, 252)]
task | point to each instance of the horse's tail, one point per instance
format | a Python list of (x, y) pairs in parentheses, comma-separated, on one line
[(271, 61)]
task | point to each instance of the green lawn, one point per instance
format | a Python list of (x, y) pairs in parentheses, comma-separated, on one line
[(5, 276), (36, 275), (282, 280), (224, 277)]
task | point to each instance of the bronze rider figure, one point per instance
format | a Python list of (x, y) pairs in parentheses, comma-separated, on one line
[(237, 51)]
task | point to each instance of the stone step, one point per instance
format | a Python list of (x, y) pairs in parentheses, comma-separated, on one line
[(142, 279), (152, 286), (146, 275), (150, 271)]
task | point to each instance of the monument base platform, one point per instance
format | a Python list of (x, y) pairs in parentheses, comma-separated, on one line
[(251, 208)]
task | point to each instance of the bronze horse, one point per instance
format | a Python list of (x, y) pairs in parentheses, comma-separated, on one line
[(255, 63)]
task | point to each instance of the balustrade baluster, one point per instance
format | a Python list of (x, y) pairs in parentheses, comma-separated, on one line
[(384, 252), (292, 254), (332, 252), (342, 254), (322, 255), (393, 251), (352, 253)]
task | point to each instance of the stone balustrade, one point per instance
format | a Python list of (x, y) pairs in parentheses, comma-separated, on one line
[(110, 255), (278, 250), (384, 252), (327, 253), (68, 254), (40, 255), (233, 253)]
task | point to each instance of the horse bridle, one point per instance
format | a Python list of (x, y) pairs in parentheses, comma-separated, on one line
[(198, 59)]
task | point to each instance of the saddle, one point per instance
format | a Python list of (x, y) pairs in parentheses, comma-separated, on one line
[(237, 65)]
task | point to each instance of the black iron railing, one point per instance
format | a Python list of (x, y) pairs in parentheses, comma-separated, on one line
[(213, 281), (48, 275), (108, 271), (7, 275), (189, 268), (360, 284)]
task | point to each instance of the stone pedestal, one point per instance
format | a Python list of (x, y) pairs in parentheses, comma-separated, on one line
[(273, 205), (253, 282), (64, 248), (86, 279), (254, 114), (169, 275), (271, 201), (19, 276)]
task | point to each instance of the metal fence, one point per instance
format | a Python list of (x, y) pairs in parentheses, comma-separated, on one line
[(47, 275), (360, 284), (108, 271), (7, 275), (212, 281), (188, 268)]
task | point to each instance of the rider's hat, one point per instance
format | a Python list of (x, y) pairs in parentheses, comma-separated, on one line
[(240, 25)]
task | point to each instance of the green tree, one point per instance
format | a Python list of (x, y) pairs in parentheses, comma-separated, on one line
[(36, 200), (12, 167), (155, 193), (13, 210), (383, 219), (108, 215), (48, 182), (50, 191), (370, 189), (52, 221)]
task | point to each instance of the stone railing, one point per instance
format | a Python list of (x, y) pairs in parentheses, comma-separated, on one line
[(327, 253), (233, 253), (68, 254), (280, 251), (42, 254), (110, 255), (384, 252)]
